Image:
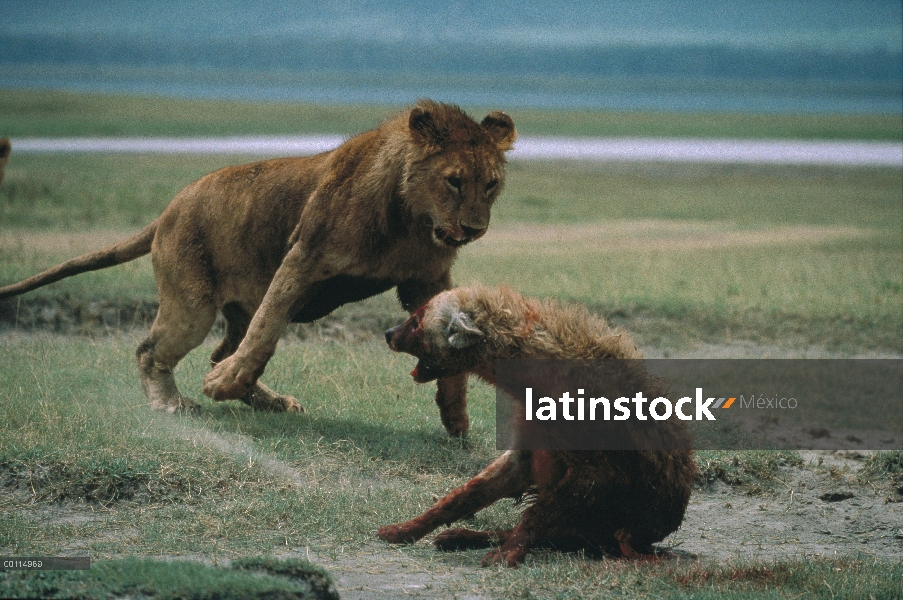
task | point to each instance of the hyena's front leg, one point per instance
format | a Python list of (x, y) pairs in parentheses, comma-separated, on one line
[(515, 545), (544, 520), (451, 392), (507, 477), (451, 398)]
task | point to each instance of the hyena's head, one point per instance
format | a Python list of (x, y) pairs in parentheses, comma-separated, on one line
[(443, 336)]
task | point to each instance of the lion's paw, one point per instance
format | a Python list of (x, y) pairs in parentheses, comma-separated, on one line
[(228, 380), (292, 405), (181, 405)]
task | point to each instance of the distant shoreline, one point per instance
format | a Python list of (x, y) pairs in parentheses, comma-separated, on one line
[(609, 149)]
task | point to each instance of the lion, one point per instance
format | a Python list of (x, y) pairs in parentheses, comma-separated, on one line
[(292, 239), (5, 148), (618, 502)]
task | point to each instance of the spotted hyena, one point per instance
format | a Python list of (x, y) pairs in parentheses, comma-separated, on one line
[(618, 502)]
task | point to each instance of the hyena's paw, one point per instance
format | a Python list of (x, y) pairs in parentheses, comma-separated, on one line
[(510, 557), (467, 539), (292, 405), (456, 425), (399, 533)]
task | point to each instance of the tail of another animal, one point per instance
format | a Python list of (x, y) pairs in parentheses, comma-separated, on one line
[(5, 148), (135, 247)]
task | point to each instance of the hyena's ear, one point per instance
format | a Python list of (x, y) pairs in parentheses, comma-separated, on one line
[(462, 333)]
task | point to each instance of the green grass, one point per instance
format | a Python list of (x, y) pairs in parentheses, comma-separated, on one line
[(787, 257), (59, 113), (182, 580), (84, 461), (75, 425), (807, 256), (811, 578)]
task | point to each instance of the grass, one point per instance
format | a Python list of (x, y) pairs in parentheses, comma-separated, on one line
[(680, 254), (181, 580), (58, 114), (105, 449), (85, 462), (787, 257), (751, 469), (785, 579)]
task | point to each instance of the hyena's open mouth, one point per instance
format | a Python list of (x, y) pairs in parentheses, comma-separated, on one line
[(425, 372)]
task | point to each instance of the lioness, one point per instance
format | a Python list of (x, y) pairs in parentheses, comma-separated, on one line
[(292, 239)]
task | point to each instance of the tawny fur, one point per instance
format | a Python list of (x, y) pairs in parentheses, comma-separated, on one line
[(294, 238), (618, 502)]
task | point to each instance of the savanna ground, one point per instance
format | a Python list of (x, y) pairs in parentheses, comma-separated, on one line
[(695, 260)]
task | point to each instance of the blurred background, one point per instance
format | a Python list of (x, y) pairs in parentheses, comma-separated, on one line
[(775, 56)]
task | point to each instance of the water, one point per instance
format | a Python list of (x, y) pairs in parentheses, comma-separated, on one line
[(782, 56)]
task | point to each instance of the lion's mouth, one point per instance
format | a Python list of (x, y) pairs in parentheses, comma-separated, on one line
[(443, 236)]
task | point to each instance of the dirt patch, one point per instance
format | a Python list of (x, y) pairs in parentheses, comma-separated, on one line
[(821, 508), (66, 315), (59, 482), (75, 316)]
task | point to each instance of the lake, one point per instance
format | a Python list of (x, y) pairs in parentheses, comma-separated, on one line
[(777, 56)]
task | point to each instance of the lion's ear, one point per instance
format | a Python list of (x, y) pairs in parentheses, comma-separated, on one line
[(501, 128), (462, 333), (424, 128)]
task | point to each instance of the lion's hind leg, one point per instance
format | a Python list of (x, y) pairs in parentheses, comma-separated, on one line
[(260, 397), (176, 331)]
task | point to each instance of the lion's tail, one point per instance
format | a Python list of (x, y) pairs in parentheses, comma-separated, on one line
[(134, 247)]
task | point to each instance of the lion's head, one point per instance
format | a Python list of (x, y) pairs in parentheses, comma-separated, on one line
[(456, 170)]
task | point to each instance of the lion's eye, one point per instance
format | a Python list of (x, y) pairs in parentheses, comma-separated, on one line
[(491, 185), (454, 183)]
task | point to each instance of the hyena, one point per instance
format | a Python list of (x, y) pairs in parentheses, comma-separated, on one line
[(618, 502)]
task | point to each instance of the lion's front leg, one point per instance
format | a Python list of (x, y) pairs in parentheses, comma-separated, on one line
[(235, 376)]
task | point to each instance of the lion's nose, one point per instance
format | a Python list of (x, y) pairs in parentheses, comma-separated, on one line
[(473, 233)]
